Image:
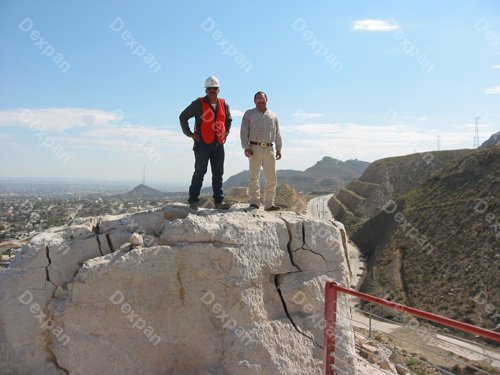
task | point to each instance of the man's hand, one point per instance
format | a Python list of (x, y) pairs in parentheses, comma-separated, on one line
[(248, 152), (278, 155), (196, 137)]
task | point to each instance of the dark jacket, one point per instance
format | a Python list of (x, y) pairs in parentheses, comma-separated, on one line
[(194, 110)]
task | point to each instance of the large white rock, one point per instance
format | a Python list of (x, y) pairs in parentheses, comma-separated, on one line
[(214, 292)]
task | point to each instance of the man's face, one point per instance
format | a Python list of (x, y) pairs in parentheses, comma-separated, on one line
[(212, 92), (261, 102)]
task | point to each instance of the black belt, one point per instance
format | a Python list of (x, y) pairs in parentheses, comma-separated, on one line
[(261, 144)]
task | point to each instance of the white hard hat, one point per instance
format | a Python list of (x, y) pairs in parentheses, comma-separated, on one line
[(211, 82)]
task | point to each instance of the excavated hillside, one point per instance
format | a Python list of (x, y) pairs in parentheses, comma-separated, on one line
[(436, 246), (384, 180)]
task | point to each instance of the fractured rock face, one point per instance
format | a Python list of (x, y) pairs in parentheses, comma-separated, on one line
[(172, 292)]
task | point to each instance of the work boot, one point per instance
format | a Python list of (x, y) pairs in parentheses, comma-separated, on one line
[(273, 208), (193, 206), (254, 206), (222, 206)]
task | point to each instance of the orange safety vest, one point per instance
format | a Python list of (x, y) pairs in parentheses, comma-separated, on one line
[(213, 127)]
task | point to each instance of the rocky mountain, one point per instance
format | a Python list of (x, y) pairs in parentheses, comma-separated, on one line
[(177, 292), (494, 140), (434, 242), (328, 174)]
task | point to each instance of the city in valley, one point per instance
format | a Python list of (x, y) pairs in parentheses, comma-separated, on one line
[(30, 207)]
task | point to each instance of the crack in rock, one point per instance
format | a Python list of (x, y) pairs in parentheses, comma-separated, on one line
[(97, 230), (49, 262), (52, 356), (47, 332), (303, 247), (314, 252), (303, 235), (285, 308), (110, 243), (182, 291), (289, 245), (160, 227)]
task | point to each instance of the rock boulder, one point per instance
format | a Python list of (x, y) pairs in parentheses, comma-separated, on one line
[(174, 292)]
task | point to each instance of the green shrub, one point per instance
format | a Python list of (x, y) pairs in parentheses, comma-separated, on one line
[(411, 362)]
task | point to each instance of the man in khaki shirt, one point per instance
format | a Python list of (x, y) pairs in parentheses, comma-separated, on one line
[(259, 132)]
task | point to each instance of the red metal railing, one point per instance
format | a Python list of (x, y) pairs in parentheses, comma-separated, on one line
[(331, 294)]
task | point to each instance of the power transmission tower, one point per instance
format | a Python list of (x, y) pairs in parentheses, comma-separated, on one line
[(476, 132), (439, 143), (144, 176)]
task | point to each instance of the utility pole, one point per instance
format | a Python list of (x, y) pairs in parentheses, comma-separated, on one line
[(144, 176), (439, 143), (476, 132)]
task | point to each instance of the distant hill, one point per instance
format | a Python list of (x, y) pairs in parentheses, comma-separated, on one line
[(436, 244), (345, 171), (142, 192), (357, 165), (492, 141), (328, 174)]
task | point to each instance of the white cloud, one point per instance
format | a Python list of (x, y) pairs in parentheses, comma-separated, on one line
[(128, 138), (324, 129), (56, 119), (495, 66), (135, 131), (16, 146), (367, 142), (369, 135), (492, 90), (300, 115), (374, 25), (236, 113)]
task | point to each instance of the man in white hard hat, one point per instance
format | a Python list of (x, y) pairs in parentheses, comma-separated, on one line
[(211, 127), (259, 132)]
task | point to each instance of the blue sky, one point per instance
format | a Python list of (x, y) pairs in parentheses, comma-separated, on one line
[(93, 89)]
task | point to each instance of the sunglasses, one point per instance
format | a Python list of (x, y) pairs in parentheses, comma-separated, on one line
[(212, 88)]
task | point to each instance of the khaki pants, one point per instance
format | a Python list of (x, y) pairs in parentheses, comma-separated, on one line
[(262, 156)]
